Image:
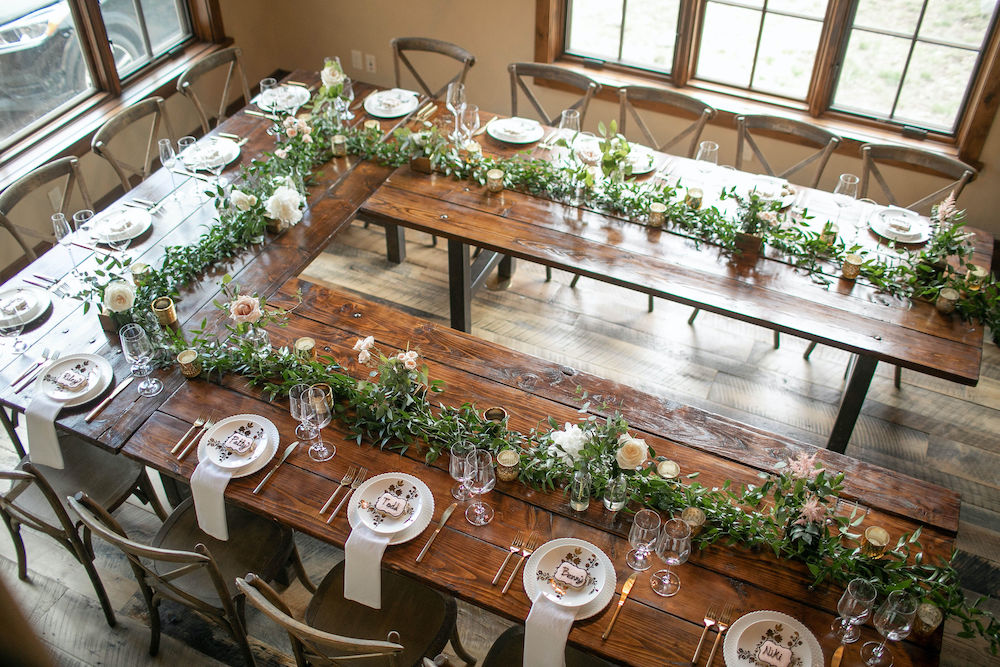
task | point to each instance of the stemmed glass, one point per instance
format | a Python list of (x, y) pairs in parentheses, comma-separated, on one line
[(119, 244), (569, 126), (296, 394), (458, 466), (11, 326), (168, 160), (469, 121), (216, 169), (454, 101), (844, 194), (139, 352), (482, 478), (267, 84), (81, 219), (707, 156), (343, 103), (674, 547), (893, 620), (854, 607), (183, 144), (64, 235), (315, 411), (642, 535)]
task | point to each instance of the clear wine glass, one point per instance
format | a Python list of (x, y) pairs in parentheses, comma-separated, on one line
[(81, 219), (482, 479), (454, 100), (345, 100), (458, 466), (11, 326), (569, 127), (854, 608), (469, 121), (168, 160), (138, 350), (642, 535), (844, 195), (64, 235), (673, 546), (296, 394), (315, 411), (183, 144), (893, 621), (118, 245), (707, 156)]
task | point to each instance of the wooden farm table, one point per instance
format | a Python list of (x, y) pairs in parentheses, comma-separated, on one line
[(651, 629), (770, 293)]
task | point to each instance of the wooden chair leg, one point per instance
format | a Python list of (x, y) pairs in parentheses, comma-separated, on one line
[(548, 273), (146, 487), (650, 309), (300, 570), (154, 623), (8, 426), (694, 314), (22, 556), (898, 377), (777, 339), (239, 630), (809, 350), (576, 279), (456, 643), (87, 560), (434, 241)]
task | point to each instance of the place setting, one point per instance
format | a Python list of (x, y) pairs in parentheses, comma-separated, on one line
[(210, 154), (119, 227), (285, 98), (392, 103), (20, 308)]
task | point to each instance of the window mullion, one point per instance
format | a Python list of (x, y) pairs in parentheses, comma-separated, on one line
[(97, 49), (909, 57), (833, 45), (142, 28), (756, 50), (621, 30)]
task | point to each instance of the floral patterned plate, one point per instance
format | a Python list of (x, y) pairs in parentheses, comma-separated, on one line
[(213, 444), (769, 639), (571, 576), (423, 515), (388, 505), (96, 371), (533, 587), (27, 302), (282, 98)]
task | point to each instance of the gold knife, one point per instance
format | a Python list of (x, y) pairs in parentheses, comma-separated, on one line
[(483, 128), (288, 450), (837, 655), (444, 520), (626, 589), (103, 404)]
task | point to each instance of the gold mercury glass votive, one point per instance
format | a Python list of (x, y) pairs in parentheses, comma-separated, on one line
[(373, 124), (163, 308), (947, 298), (339, 145), (668, 469), (875, 541), (852, 266), (327, 391), (494, 180), (693, 198), (695, 518), (495, 414), (975, 278), (189, 363), (140, 273), (829, 233), (657, 212), (508, 465), (926, 620), (305, 348)]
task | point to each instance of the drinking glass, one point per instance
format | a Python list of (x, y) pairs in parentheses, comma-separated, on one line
[(11, 327), (168, 160), (267, 84), (674, 547), (482, 479), (469, 121), (295, 397), (454, 101), (569, 124), (182, 145), (139, 352), (707, 156), (81, 219), (844, 194), (458, 466), (893, 620), (64, 235), (216, 169), (854, 608), (642, 535), (345, 100), (315, 411)]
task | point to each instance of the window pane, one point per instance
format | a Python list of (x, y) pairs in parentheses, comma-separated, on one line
[(650, 33), (167, 23), (898, 16), (871, 73), (786, 56), (41, 65), (962, 22), (935, 84), (594, 28), (728, 42), (813, 8), (125, 35)]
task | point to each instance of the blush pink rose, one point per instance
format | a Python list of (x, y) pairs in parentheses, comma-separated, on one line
[(245, 309)]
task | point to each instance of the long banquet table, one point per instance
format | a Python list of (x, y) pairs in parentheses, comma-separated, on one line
[(650, 630)]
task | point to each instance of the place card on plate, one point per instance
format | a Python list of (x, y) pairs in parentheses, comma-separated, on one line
[(70, 380), (238, 443), (14, 305), (571, 575), (390, 504)]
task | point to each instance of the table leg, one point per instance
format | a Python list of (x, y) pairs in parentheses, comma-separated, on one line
[(395, 243), (505, 270), (850, 403), (460, 285)]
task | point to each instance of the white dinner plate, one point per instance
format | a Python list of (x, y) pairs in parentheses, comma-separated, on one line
[(282, 99), (94, 367), (367, 498), (421, 521), (532, 572), (264, 432), (642, 160), (770, 188), (515, 130), (751, 630), (578, 562), (900, 224), (125, 223), (209, 153), (27, 302), (391, 103)]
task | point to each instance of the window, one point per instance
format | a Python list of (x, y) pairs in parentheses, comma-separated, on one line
[(45, 54)]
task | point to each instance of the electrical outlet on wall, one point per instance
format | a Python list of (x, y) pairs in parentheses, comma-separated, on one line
[(356, 62), (370, 63)]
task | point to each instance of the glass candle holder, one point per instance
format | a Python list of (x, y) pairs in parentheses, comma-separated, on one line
[(975, 278), (695, 518), (851, 268), (947, 298), (875, 541), (339, 145), (829, 233), (495, 414), (305, 348), (926, 620), (693, 198), (140, 273), (494, 180), (163, 308), (373, 124), (668, 469), (616, 493), (508, 465), (189, 363), (657, 214)]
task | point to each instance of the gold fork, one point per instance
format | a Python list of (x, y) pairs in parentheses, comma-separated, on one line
[(194, 440), (347, 479), (721, 625), (358, 480), (515, 546), (526, 551), (180, 443), (710, 615)]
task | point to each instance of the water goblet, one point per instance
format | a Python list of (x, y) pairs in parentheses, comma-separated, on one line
[(183, 144), (469, 122), (315, 411), (216, 168), (854, 608), (296, 395), (119, 245), (844, 195), (168, 160), (11, 326), (569, 127), (482, 479), (673, 546), (64, 235), (642, 535), (458, 467), (267, 84), (454, 101), (707, 156), (345, 100), (138, 350), (81, 219), (893, 621)]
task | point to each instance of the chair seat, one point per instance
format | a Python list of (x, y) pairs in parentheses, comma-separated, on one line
[(255, 544), (418, 613), (508, 649)]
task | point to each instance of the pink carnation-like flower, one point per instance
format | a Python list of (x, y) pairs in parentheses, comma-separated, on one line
[(306, 138), (365, 343), (812, 512), (409, 359), (803, 466), (245, 309), (281, 153)]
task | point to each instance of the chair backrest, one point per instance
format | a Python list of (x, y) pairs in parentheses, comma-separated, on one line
[(786, 128), (675, 101), (157, 582), (68, 167), (310, 644), (940, 165), (402, 44), (585, 84), (156, 110), (21, 481), (229, 58)]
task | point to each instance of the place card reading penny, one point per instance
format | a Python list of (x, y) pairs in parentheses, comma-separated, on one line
[(571, 575)]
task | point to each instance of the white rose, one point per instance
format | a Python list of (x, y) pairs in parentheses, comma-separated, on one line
[(331, 75), (284, 205), (242, 200), (119, 296), (568, 442), (632, 452)]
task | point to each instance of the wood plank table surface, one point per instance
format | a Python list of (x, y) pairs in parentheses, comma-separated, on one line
[(770, 292), (651, 630)]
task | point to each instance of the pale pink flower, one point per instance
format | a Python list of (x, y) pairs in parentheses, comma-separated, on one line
[(365, 344), (947, 208), (803, 466), (410, 365), (409, 359), (245, 309), (289, 122), (281, 153), (632, 452), (291, 132), (364, 356), (812, 512), (307, 139)]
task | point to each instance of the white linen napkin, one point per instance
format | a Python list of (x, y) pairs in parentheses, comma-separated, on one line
[(43, 442), (208, 488), (545, 633), (363, 566)]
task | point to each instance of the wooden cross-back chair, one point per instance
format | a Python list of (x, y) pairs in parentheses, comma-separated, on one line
[(400, 45), (202, 579), (68, 168), (957, 171), (156, 110), (675, 102), (35, 500), (230, 59), (793, 130), (519, 71)]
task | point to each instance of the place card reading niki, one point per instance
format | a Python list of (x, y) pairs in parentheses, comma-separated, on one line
[(238, 443), (571, 575), (70, 380), (389, 504), (769, 653)]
